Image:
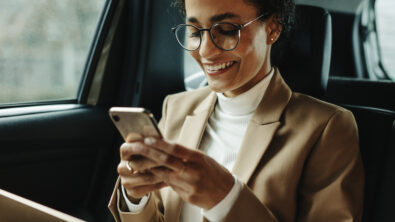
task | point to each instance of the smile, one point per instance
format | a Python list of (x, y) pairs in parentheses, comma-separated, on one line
[(213, 69)]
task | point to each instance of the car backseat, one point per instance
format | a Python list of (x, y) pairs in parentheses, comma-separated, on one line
[(385, 210), (376, 137), (304, 66)]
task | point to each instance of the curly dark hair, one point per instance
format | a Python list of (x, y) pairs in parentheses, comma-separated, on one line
[(283, 9)]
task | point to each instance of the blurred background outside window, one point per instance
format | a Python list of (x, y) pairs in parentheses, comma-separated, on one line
[(44, 46), (194, 77), (385, 17)]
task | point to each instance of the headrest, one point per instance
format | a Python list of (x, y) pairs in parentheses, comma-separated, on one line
[(303, 55)]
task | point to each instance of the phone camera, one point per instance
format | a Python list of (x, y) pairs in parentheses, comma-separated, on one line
[(115, 118)]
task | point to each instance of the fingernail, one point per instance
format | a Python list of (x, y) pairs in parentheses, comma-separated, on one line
[(149, 141)]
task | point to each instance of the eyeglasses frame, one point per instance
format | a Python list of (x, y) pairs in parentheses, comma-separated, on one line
[(201, 30)]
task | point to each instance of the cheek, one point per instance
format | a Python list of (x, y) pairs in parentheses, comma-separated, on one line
[(196, 57), (257, 43), (253, 55)]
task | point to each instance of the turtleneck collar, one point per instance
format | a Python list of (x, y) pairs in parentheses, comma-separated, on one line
[(247, 102)]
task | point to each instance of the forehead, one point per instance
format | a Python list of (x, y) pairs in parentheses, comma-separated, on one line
[(203, 10)]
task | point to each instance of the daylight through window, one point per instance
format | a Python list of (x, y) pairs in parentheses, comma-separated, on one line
[(385, 17), (43, 47)]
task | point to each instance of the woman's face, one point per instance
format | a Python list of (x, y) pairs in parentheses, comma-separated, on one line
[(231, 72)]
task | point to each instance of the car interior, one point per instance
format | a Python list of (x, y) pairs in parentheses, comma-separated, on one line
[(64, 154)]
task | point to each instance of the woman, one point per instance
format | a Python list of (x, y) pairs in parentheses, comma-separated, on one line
[(246, 148)]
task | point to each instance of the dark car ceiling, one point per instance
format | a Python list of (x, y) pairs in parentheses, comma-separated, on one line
[(345, 6)]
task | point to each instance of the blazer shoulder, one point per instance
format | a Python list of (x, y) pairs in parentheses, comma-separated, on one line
[(311, 107)]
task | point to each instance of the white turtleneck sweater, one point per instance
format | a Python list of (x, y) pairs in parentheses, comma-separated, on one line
[(221, 141)]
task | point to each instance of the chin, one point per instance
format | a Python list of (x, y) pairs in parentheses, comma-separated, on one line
[(216, 87)]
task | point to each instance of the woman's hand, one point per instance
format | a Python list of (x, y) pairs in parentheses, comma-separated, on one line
[(196, 177), (135, 178)]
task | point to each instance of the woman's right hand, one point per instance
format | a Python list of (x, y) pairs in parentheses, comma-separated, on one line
[(138, 181)]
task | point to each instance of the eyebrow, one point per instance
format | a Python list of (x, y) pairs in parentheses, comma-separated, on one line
[(215, 18)]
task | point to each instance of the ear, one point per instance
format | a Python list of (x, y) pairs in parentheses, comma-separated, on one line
[(273, 29)]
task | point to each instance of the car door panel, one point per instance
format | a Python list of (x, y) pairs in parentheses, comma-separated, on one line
[(52, 157)]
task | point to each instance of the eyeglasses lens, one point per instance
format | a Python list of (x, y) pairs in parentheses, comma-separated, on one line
[(224, 35), (188, 36)]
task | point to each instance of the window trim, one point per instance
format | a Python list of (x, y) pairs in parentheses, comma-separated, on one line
[(37, 103), (30, 109), (96, 51)]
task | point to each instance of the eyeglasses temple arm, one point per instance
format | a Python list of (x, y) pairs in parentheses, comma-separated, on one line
[(248, 23)]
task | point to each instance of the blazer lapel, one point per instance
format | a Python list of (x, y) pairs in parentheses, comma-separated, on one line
[(194, 125), (262, 127), (253, 149), (190, 136)]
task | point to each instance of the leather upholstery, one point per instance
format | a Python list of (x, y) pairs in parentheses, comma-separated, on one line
[(376, 137), (303, 55)]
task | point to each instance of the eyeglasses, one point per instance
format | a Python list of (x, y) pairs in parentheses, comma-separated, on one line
[(225, 35)]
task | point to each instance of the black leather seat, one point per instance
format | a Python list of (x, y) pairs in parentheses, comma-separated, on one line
[(377, 139), (304, 54), (385, 209)]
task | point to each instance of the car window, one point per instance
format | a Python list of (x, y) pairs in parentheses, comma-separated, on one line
[(44, 48), (385, 18), (193, 75)]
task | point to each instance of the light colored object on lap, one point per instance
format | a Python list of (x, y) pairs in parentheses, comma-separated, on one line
[(16, 208)]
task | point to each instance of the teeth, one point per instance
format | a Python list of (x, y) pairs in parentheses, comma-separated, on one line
[(217, 67)]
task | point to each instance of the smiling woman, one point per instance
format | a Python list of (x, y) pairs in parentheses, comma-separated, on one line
[(43, 52), (245, 148)]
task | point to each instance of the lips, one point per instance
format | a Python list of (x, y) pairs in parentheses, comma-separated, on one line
[(218, 68)]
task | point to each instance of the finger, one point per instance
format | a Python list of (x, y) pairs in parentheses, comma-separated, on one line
[(127, 150), (163, 173), (134, 150), (159, 157), (179, 189), (139, 179), (142, 163), (172, 177), (140, 166), (179, 185), (141, 191), (122, 168), (173, 149)]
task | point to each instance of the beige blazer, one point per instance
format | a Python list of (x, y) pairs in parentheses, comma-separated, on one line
[(299, 159)]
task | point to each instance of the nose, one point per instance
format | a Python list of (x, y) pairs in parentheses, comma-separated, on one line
[(207, 48)]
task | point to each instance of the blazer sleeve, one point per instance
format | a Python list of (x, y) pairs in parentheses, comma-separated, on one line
[(150, 213), (332, 183), (249, 208), (153, 211)]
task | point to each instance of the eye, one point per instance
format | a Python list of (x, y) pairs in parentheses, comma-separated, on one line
[(229, 33), (194, 34), (226, 29)]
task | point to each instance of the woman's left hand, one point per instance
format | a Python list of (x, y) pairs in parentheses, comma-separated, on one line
[(196, 177)]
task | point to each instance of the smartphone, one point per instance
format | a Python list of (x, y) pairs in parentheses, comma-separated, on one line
[(134, 123)]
